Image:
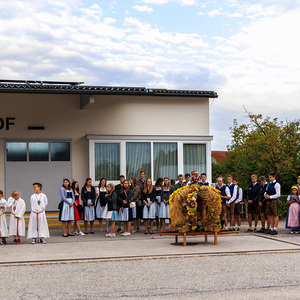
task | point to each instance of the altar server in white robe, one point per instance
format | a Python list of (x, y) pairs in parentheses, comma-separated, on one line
[(3, 226), (38, 225), (16, 221)]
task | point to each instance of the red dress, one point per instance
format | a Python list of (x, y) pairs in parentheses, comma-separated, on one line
[(78, 216)]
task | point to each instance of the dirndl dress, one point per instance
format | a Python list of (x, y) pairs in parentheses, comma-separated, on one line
[(292, 218), (149, 213), (164, 208), (67, 213), (157, 205), (124, 215), (99, 206), (89, 211), (77, 215)]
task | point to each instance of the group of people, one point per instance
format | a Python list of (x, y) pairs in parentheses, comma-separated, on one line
[(37, 227), (135, 200)]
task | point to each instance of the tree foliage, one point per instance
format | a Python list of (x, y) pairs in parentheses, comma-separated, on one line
[(261, 146)]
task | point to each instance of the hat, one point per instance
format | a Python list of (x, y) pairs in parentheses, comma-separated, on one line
[(294, 187)]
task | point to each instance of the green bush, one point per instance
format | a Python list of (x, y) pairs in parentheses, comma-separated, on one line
[(283, 206)]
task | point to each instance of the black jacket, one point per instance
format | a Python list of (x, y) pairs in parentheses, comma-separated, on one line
[(112, 201), (124, 196), (262, 191), (152, 196), (84, 196), (253, 192)]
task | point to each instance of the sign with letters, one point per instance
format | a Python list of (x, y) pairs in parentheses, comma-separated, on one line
[(6, 123)]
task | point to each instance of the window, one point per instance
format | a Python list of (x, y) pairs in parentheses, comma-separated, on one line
[(38, 151), (194, 158), (107, 161), (60, 151), (138, 157), (16, 151), (165, 160)]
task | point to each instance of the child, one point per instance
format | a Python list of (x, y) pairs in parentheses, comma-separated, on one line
[(225, 195), (3, 225), (38, 226), (149, 198), (167, 190), (292, 219), (253, 202), (112, 213), (78, 210), (16, 221), (203, 180), (237, 207), (230, 203)]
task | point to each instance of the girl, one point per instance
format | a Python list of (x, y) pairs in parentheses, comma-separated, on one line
[(88, 197), (16, 221), (66, 213), (111, 198), (167, 190), (292, 219), (149, 198), (136, 189), (158, 187), (101, 191), (3, 225), (125, 212), (78, 210)]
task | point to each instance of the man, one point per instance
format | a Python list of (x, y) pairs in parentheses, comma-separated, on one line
[(225, 195), (118, 189), (253, 202), (237, 207), (203, 180), (187, 179), (139, 207), (180, 182), (262, 205), (230, 203), (272, 195)]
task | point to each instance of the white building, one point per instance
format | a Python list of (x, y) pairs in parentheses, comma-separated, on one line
[(55, 130)]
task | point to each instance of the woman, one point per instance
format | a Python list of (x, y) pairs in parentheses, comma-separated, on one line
[(78, 210), (101, 191), (111, 199), (149, 198), (292, 219), (158, 188), (88, 197), (167, 190), (66, 213), (136, 191), (125, 212)]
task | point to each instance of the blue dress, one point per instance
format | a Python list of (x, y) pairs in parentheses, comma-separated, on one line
[(66, 213), (99, 206), (157, 206), (89, 211), (164, 208)]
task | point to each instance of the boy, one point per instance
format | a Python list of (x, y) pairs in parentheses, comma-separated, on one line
[(272, 195), (203, 180), (118, 189), (230, 203), (225, 195), (38, 226), (16, 221), (253, 202), (187, 179), (237, 208), (262, 204), (3, 225), (180, 182)]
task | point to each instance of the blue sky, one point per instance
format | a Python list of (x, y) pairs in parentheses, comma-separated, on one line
[(247, 51)]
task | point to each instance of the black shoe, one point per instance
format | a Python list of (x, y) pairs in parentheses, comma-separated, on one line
[(267, 231), (262, 230), (274, 232), (230, 229), (145, 232)]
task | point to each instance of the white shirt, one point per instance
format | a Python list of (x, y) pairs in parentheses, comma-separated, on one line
[(277, 189), (240, 198), (232, 199)]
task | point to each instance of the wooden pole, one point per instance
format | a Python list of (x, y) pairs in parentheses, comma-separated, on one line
[(216, 238), (205, 238), (184, 239)]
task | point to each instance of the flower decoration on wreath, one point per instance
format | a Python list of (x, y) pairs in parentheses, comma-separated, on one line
[(195, 208)]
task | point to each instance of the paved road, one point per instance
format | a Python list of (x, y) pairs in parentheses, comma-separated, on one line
[(241, 266)]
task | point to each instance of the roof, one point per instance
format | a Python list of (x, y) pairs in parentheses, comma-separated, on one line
[(65, 87), (219, 155)]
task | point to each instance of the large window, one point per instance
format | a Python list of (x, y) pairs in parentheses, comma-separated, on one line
[(38, 151), (107, 161), (165, 160), (194, 158), (138, 157)]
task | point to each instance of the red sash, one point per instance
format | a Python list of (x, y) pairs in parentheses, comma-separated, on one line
[(37, 224)]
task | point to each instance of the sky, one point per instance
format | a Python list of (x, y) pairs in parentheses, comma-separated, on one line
[(246, 51)]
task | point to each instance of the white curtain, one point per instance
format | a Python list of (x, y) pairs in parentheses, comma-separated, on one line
[(107, 161), (165, 160), (194, 158), (138, 157)]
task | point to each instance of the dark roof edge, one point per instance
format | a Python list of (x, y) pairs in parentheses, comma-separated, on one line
[(53, 87)]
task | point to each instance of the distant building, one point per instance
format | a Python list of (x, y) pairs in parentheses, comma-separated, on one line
[(217, 156)]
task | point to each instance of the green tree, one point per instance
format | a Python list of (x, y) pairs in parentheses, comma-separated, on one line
[(262, 146)]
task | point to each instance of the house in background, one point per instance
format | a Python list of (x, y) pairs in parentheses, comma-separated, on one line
[(55, 130), (217, 156)]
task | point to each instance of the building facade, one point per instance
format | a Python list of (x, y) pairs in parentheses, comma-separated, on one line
[(55, 130)]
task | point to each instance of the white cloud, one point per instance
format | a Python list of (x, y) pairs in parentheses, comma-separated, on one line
[(180, 2), (143, 8), (215, 12)]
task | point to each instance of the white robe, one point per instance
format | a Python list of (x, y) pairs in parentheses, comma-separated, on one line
[(18, 208), (3, 224), (38, 217)]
